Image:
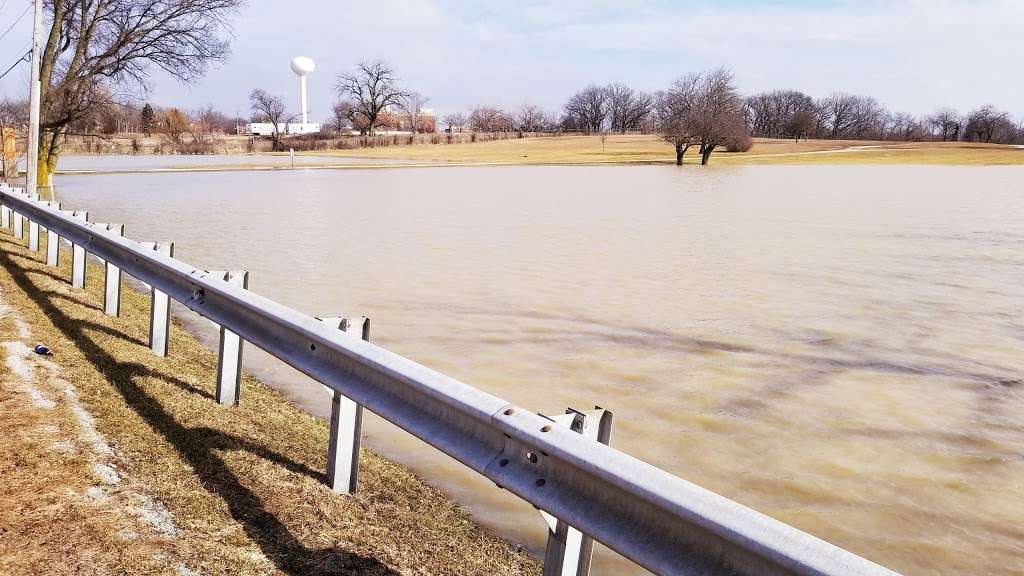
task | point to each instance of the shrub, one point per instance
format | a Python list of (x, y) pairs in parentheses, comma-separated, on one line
[(739, 143)]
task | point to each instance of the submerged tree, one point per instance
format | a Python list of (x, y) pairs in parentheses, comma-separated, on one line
[(703, 109), (674, 110), (95, 48)]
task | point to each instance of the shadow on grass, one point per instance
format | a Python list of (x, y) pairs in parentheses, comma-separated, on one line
[(199, 447)]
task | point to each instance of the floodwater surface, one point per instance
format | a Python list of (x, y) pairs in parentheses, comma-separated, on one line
[(840, 347)]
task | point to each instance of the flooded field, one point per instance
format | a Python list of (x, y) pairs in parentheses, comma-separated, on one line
[(841, 347)]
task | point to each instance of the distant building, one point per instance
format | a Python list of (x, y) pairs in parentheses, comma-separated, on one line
[(393, 121), (267, 128)]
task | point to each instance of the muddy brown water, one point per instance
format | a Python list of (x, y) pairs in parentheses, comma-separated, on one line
[(841, 347)]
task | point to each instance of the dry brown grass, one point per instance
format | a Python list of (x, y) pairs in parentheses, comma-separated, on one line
[(244, 483), (618, 149)]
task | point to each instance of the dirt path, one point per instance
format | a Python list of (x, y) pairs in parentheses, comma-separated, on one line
[(57, 467)]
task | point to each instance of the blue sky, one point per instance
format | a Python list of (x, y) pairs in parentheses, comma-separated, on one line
[(913, 55)]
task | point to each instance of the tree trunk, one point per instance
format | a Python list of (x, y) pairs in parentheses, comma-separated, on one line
[(46, 163), (706, 155), (680, 152)]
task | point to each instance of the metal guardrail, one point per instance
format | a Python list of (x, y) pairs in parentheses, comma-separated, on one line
[(660, 521)]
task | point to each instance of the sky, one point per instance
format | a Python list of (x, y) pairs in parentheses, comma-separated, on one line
[(913, 55)]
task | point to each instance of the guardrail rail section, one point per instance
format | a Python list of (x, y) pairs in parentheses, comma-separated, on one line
[(563, 466)]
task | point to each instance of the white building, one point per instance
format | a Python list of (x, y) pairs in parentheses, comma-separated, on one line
[(267, 128)]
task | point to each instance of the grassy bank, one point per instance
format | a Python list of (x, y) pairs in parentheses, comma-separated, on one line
[(168, 481), (651, 149)]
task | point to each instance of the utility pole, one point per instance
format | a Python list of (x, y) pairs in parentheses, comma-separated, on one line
[(32, 154)]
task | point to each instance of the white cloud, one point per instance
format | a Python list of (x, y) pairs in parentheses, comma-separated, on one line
[(913, 55)]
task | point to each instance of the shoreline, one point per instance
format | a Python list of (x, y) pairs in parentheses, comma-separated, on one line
[(580, 151)]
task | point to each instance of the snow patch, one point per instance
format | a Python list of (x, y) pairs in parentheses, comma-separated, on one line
[(86, 423), (158, 516), (96, 494), (18, 358), (106, 474), (183, 570), (64, 447)]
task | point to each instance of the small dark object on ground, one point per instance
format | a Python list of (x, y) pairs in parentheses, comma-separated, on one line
[(42, 350)]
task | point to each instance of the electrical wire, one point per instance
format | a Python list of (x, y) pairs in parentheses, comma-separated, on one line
[(11, 27), (24, 58)]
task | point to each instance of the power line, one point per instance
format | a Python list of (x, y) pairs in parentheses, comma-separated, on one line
[(27, 8), (19, 61)]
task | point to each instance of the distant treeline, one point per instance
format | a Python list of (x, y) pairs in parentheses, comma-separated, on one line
[(773, 114), (703, 109)]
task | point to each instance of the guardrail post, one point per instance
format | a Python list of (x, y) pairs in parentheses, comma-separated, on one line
[(33, 229), (229, 360), (111, 277), (346, 421), (78, 256), (160, 309), (52, 241), (19, 222), (569, 551)]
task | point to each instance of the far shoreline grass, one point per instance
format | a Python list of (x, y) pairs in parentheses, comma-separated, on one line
[(650, 149), (616, 150)]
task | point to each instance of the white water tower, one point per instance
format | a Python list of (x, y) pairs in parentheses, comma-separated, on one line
[(303, 67)]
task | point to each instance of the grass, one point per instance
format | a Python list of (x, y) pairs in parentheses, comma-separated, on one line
[(618, 149), (243, 484)]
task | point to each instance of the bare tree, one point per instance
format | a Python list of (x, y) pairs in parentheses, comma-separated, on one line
[(455, 122), (848, 116), (838, 112), (947, 122), (271, 109), (175, 124), (371, 89), (489, 119), (341, 115), (589, 108), (627, 108), (988, 124), (205, 123), (780, 113), (801, 124), (717, 113), (412, 105), (94, 47), (675, 110), (529, 118)]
